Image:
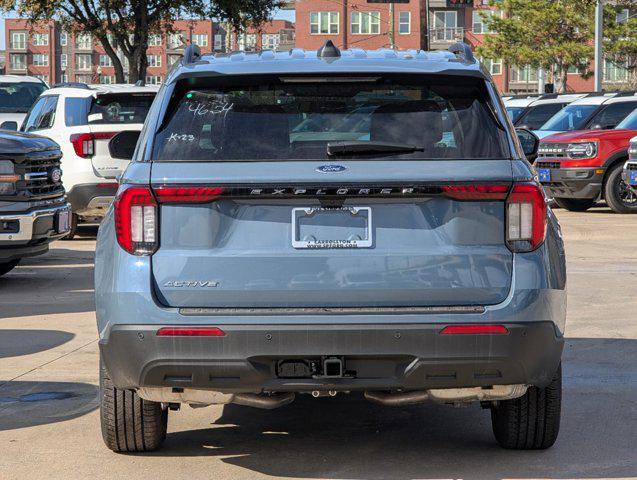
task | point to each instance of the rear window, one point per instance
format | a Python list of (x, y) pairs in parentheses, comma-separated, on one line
[(108, 109), (18, 97), (294, 118)]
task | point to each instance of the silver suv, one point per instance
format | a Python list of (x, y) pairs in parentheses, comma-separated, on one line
[(323, 223)]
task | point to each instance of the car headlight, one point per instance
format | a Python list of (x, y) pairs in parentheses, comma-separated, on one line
[(632, 151), (8, 178), (582, 150)]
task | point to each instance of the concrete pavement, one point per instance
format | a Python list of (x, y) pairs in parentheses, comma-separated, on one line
[(49, 422)]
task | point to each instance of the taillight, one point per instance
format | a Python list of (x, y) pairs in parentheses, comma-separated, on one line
[(526, 217), (476, 192), (84, 143), (136, 220), (166, 194)]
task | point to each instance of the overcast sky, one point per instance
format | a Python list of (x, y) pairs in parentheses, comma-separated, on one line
[(282, 14)]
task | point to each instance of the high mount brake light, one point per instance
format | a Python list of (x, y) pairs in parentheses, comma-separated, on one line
[(84, 143), (136, 220), (526, 217)]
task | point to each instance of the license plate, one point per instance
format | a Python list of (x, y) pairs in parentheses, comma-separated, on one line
[(62, 224), (632, 179), (544, 174), (319, 227)]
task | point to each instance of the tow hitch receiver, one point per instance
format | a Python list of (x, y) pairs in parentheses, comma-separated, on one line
[(332, 367), (324, 367)]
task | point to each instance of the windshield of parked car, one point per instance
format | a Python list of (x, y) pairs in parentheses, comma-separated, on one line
[(538, 115), (280, 118), (629, 123), (18, 97), (515, 112), (573, 117), (120, 108)]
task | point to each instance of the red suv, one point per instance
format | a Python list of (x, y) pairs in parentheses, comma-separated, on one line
[(577, 167)]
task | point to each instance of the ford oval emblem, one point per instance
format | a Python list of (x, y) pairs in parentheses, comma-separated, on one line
[(331, 168)]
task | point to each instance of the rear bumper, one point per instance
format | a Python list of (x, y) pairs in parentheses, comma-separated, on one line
[(376, 357), (580, 183), (92, 200)]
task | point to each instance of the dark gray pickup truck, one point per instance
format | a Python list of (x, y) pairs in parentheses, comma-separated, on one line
[(33, 206)]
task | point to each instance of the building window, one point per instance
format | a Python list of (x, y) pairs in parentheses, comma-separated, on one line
[(64, 78), (64, 39), (107, 79), (105, 61), (622, 16), (176, 40), (247, 42), (324, 23), (64, 60), (445, 25), (83, 61), (219, 41), (153, 79), (40, 60), (365, 22), (614, 73), (479, 25), (154, 60), (154, 40), (84, 41), (18, 61), (523, 74), (172, 59), (18, 41), (84, 78), (404, 23), (494, 66), (44, 78), (200, 39), (40, 39), (270, 41)]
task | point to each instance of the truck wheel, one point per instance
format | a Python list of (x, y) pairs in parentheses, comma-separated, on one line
[(73, 230), (619, 196), (6, 267), (129, 423), (575, 204), (532, 421)]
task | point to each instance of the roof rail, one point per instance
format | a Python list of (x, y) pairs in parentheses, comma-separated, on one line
[(628, 93), (192, 53), (140, 83), (461, 49), (72, 85)]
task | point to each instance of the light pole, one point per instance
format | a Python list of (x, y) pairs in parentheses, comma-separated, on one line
[(599, 38)]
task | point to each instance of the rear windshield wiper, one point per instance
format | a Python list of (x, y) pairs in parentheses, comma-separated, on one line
[(354, 147)]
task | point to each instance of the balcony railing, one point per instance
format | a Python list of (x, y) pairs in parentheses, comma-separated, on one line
[(450, 34)]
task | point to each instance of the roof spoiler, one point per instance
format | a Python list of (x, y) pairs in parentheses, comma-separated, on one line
[(463, 51), (192, 54)]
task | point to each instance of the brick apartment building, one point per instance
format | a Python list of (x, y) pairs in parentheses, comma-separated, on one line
[(368, 24), (48, 52), (274, 35)]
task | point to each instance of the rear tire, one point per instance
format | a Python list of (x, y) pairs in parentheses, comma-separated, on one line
[(575, 204), (129, 423), (532, 421), (619, 197), (6, 267), (73, 231)]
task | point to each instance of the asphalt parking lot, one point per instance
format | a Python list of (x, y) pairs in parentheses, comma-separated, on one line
[(49, 418)]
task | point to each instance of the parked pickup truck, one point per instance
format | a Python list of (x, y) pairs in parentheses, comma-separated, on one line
[(33, 206), (575, 168)]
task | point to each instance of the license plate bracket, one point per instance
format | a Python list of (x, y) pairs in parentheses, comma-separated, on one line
[(331, 228), (62, 221)]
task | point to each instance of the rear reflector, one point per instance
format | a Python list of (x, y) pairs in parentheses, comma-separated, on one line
[(474, 330), (190, 332)]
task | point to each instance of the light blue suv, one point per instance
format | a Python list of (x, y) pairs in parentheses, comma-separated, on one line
[(324, 223)]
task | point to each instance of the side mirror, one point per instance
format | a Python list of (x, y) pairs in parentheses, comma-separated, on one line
[(529, 142), (122, 146), (9, 125)]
